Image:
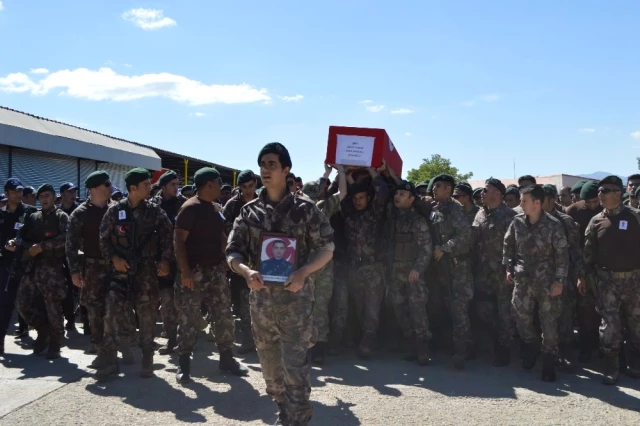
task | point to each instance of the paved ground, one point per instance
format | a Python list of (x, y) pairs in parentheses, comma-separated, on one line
[(347, 391)]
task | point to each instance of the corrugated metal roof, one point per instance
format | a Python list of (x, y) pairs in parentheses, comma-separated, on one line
[(96, 145)]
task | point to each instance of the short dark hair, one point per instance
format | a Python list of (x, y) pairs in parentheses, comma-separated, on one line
[(298, 179), (279, 241), (527, 177), (536, 192), (278, 149), (291, 176), (636, 176)]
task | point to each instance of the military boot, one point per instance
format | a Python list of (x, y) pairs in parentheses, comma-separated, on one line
[(410, 349), (365, 349), (548, 368), (53, 351), (333, 347), (282, 415), (42, 342), (422, 352), (318, 353), (170, 346), (2, 345), (530, 354), (109, 368), (184, 369), (99, 361), (92, 349), (501, 354), (248, 344), (459, 355), (229, 364), (147, 363), (611, 370), (128, 358)]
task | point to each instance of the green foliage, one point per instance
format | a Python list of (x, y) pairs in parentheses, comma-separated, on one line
[(437, 165)]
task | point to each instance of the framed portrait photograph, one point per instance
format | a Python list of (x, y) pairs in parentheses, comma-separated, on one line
[(278, 258)]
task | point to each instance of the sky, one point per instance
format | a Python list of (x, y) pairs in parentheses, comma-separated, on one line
[(551, 85)]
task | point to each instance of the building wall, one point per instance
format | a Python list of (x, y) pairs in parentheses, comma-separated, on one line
[(558, 180)]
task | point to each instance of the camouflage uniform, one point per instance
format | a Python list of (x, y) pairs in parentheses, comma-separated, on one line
[(452, 230), (282, 321), (366, 283), (139, 290), (538, 255), (43, 274), (166, 286), (471, 215), (492, 296), (410, 250)]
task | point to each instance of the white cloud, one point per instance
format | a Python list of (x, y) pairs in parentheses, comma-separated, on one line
[(295, 98), (408, 134), (492, 97), (39, 71), (402, 111), (1, 6), (148, 19), (197, 114), (587, 130), (636, 135), (106, 84), (375, 108), (127, 65), (367, 101), (469, 103)]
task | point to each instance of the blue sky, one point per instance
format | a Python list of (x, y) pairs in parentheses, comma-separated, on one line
[(551, 84)]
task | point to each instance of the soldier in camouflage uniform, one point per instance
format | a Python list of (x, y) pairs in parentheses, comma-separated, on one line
[(612, 243), (451, 236), (410, 250), (130, 233), (537, 260), (633, 183), (463, 194), (199, 239), (363, 224), (282, 316), (512, 197), (492, 298), (170, 201), (43, 239), (323, 279), (575, 277), (247, 192)]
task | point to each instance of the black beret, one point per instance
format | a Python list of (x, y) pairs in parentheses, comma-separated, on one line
[(357, 188), (513, 190), (167, 177), (575, 189), (226, 186), (245, 176), (28, 190), (478, 192), (96, 179), (406, 186), (465, 187), (423, 185), (278, 149), (589, 190), (445, 178), (46, 188), (613, 180), (550, 190), (187, 188), (204, 175), (496, 183), (135, 176)]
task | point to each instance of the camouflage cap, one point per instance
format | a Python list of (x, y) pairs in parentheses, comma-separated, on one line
[(312, 189), (612, 180), (589, 190)]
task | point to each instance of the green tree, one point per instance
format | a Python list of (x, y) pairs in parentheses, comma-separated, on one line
[(434, 166)]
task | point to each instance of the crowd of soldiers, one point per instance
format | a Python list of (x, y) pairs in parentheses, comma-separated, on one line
[(378, 261)]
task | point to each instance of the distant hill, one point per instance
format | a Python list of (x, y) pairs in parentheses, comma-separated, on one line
[(602, 175)]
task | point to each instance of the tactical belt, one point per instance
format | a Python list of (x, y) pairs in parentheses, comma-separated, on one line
[(619, 275), (95, 261)]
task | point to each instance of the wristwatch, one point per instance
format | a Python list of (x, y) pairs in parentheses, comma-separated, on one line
[(560, 280)]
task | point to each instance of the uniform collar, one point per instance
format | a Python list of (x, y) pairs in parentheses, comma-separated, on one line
[(613, 212)]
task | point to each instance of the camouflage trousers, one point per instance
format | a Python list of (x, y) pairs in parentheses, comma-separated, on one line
[(211, 287), (323, 280), (283, 331), (240, 285), (588, 319), (567, 312), (461, 295), (493, 306), (367, 288), (45, 281), (168, 310), (340, 296), (618, 303), (525, 298), (409, 301), (121, 304)]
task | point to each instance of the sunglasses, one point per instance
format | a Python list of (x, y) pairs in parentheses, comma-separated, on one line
[(607, 190)]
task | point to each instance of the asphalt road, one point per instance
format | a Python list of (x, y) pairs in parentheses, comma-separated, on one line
[(346, 391)]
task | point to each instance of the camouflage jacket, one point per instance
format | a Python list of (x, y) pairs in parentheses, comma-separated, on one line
[(231, 211), (171, 207), (149, 218), (363, 228), (472, 214), (572, 233), (408, 237), (330, 206), (74, 242), (489, 228), (538, 253), (37, 228), (295, 217), (449, 220)]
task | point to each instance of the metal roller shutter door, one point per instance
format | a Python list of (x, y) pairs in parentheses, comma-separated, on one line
[(116, 173), (4, 163), (35, 168), (86, 168)]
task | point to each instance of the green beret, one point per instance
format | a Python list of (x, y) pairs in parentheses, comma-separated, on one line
[(46, 188), (96, 179), (312, 189), (423, 185), (589, 190), (187, 188), (167, 177), (430, 186), (635, 194), (575, 189), (465, 187), (478, 192), (246, 176), (135, 176), (445, 178), (625, 196), (613, 180), (407, 186), (513, 190), (204, 175), (550, 190), (496, 183)]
